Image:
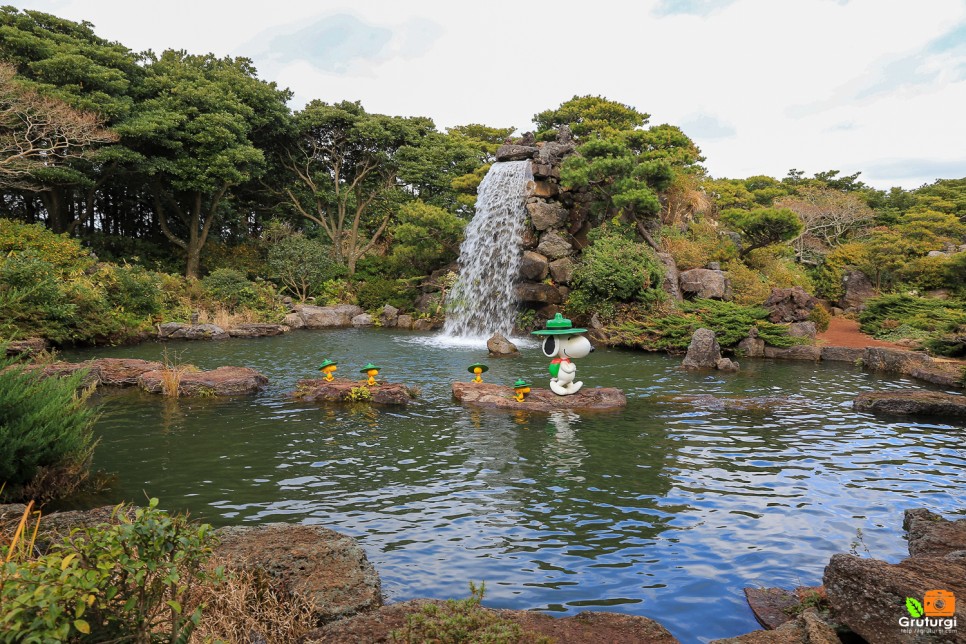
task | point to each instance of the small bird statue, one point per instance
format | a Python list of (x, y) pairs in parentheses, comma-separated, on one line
[(477, 369), (372, 371), (327, 367)]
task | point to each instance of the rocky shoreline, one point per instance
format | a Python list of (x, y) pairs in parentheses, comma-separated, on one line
[(861, 596)]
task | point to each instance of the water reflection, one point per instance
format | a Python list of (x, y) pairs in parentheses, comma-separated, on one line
[(666, 509)]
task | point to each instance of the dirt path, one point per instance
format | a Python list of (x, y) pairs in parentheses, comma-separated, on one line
[(843, 332)]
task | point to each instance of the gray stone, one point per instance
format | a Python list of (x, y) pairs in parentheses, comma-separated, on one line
[(914, 402), (255, 330), (363, 319), (727, 364), (799, 352), (930, 535), (703, 352), (701, 282), (176, 331), (499, 346), (293, 321), (537, 292), (511, 152), (323, 317), (328, 569), (842, 354), (547, 215), (751, 347), (802, 329), (789, 305), (545, 189), (423, 324), (671, 282), (554, 246), (389, 316), (562, 270), (534, 266), (858, 289), (404, 321)]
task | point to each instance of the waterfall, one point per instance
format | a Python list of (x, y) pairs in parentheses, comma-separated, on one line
[(482, 301)]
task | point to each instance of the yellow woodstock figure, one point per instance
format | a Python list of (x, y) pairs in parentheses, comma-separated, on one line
[(521, 388), (477, 369), (327, 367), (372, 371)]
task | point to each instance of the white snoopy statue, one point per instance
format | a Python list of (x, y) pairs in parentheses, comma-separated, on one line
[(563, 344)]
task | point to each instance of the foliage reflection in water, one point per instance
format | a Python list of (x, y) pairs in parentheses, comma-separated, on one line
[(665, 509)]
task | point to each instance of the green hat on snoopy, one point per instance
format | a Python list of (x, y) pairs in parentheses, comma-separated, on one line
[(559, 325)]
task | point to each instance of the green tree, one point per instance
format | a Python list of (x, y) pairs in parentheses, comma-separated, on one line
[(67, 61), (301, 265), (762, 226), (425, 237), (346, 167), (589, 116), (200, 126)]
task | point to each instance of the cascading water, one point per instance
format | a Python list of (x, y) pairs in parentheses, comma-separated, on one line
[(482, 302)]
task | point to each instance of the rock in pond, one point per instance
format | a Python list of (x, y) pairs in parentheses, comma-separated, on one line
[(223, 381), (751, 403), (342, 391), (807, 628), (325, 567), (499, 346), (255, 330), (587, 399), (584, 628), (904, 402), (179, 331), (703, 352)]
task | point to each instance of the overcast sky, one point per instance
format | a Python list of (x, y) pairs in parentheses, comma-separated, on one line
[(762, 86)]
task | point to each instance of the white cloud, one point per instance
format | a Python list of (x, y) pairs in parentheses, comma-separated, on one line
[(865, 85)]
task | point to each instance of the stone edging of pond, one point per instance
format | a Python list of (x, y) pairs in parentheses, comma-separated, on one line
[(331, 571), (319, 390), (153, 377), (501, 397)]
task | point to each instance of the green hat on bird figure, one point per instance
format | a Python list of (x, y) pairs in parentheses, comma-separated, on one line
[(476, 369), (372, 371)]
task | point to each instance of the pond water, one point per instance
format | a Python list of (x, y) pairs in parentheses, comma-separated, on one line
[(665, 509)]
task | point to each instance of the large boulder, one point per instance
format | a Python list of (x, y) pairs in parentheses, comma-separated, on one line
[(547, 215), (513, 152), (534, 266), (857, 289), (751, 346), (537, 292), (869, 596), (294, 321), (804, 329), (914, 402), (328, 569), (705, 283), (583, 628), (587, 399), (789, 305), (346, 391), (255, 330), (362, 320), (553, 245), (389, 316), (807, 628), (671, 284), (223, 381), (930, 535), (323, 317), (404, 321), (179, 331), (562, 270), (499, 346), (703, 352), (123, 372)]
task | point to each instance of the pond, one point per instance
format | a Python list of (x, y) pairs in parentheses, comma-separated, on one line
[(666, 509)]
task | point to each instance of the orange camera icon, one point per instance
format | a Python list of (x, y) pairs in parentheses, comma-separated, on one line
[(939, 603)]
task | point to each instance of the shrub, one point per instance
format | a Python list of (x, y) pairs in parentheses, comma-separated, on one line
[(463, 620), (59, 250), (128, 580), (32, 299), (616, 268), (699, 245), (302, 266), (135, 289), (749, 287), (231, 288), (821, 317), (671, 329), (45, 431), (937, 322), (928, 273), (377, 291)]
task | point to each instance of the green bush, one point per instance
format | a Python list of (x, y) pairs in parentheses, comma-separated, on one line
[(821, 317), (136, 290), (302, 266), (377, 292), (614, 268), (33, 301), (937, 322), (131, 580), (672, 329), (45, 432), (231, 288), (464, 620)]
